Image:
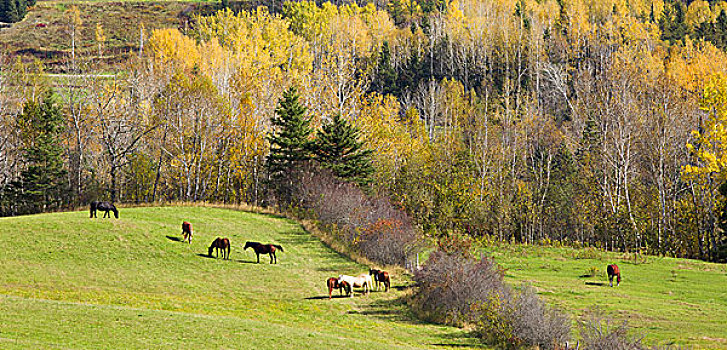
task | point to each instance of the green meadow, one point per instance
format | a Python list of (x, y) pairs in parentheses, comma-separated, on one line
[(70, 282), (665, 300), (67, 281)]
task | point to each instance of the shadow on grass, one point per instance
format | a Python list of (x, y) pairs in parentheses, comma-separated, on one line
[(175, 239), (462, 340), (321, 297), (586, 276), (206, 256), (600, 284), (246, 262)]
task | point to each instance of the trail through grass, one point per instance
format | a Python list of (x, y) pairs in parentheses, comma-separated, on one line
[(67, 281)]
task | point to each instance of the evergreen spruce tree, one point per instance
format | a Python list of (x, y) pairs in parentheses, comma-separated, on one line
[(338, 148), (385, 81), (720, 30), (290, 144), (41, 185), (12, 11)]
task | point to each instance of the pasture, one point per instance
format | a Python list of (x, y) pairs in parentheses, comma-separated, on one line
[(665, 299), (67, 281)]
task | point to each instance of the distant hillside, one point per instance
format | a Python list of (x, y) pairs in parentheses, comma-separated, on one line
[(45, 32)]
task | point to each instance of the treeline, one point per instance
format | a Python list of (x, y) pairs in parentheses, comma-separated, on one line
[(579, 122)]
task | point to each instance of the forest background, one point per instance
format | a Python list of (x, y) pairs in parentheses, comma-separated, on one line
[(597, 123)]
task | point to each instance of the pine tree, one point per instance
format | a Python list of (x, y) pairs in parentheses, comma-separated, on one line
[(720, 31), (338, 148), (290, 144), (385, 81), (41, 185), (12, 11)]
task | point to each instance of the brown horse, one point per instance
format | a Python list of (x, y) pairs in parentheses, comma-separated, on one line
[(264, 249), (613, 271), (187, 232), (334, 284), (380, 277), (220, 244)]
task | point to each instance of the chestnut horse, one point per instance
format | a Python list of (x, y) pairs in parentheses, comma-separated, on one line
[(341, 286), (260, 248), (380, 277), (613, 271), (220, 244), (187, 232), (106, 207)]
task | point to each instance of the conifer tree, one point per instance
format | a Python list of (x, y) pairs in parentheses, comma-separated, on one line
[(385, 81), (338, 148), (290, 144), (41, 185), (12, 11)]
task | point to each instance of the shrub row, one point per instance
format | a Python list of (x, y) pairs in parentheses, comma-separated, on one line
[(369, 224)]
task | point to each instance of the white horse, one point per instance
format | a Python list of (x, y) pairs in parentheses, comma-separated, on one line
[(361, 281)]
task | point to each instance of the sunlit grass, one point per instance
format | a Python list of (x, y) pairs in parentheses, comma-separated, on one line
[(67, 281), (665, 299)]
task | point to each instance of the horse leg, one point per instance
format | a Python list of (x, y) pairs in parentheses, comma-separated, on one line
[(258, 257)]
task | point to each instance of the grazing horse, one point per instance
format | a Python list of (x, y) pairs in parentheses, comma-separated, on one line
[(361, 281), (381, 277), (260, 248), (105, 207), (94, 204), (334, 284), (613, 271), (220, 244), (187, 232)]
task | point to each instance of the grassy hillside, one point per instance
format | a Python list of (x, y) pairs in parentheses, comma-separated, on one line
[(67, 281), (45, 31), (666, 299)]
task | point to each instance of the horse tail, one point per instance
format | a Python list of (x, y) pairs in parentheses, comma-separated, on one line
[(278, 246)]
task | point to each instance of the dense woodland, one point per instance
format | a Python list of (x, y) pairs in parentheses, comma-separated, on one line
[(586, 122)]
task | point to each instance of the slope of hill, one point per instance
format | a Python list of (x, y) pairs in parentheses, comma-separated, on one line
[(67, 281), (666, 300), (45, 33)]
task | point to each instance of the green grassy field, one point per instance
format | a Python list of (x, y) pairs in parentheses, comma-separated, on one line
[(67, 281), (667, 300)]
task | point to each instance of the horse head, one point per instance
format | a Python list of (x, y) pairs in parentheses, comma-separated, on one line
[(116, 212)]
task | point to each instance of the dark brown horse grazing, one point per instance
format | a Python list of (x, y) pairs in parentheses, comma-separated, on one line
[(220, 244), (106, 207), (334, 284), (187, 232), (613, 271), (380, 277), (264, 249)]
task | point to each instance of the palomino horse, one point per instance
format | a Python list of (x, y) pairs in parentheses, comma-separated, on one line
[(220, 244), (613, 271), (380, 277), (334, 284), (361, 281), (187, 232), (260, 248), (105, 207)]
